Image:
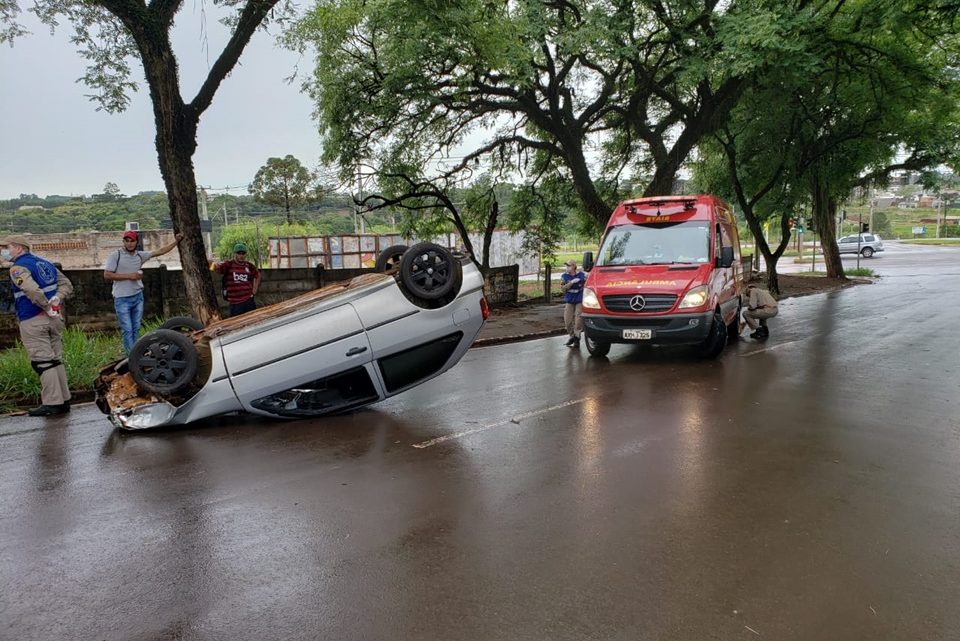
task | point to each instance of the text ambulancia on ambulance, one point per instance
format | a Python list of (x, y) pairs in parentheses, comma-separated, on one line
[(668, 272)]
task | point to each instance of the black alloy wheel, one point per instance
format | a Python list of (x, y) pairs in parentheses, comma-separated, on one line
[(430, 272), (389, 259), (163, 361), (182, 324)]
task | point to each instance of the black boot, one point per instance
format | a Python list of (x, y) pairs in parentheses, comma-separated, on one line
[(49, 410), (573, 340)]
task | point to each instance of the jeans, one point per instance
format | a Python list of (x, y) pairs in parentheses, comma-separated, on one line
[(129, 314)]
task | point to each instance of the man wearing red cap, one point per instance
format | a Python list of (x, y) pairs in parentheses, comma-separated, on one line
[(124, 270)]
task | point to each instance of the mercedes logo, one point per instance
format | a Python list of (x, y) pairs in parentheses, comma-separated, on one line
[(637, 303)]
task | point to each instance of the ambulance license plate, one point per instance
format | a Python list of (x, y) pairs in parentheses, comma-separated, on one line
[(638, 334)]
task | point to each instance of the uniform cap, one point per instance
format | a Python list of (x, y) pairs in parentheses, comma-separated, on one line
[(19, 240), (239, 247), (130, 234)]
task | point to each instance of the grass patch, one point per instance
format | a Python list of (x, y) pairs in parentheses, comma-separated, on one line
[(955, 242), (864, 272), (83, 356)]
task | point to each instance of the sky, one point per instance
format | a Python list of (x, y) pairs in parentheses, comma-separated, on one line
[(53, 141)]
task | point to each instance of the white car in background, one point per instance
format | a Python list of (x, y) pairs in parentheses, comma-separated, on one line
[(865, 244), (331, 350)]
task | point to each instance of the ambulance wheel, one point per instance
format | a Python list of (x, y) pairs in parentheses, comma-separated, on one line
[(733, 329), (717, 338), (595, 347), (163, 361)]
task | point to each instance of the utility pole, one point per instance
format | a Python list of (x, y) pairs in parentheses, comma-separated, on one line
[(939, 209), (359, 197), (204, 216)]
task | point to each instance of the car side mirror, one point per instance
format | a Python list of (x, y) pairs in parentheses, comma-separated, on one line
[(726, 256), (587, 261)]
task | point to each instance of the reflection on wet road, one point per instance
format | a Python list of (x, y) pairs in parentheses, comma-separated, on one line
[(802, 488)]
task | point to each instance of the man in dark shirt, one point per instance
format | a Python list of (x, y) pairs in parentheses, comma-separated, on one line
[(242, 279)]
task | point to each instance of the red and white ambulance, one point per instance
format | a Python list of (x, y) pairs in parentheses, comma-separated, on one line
[(668, 272)]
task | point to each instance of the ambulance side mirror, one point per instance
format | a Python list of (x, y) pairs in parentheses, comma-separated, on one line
[(587, 261), (726, 256)]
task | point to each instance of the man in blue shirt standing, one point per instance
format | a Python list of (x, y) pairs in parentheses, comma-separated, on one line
[(571, 284)]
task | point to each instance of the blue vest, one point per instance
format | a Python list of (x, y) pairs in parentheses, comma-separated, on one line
[(44, 274)]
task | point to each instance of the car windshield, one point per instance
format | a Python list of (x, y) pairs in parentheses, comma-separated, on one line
[(657, 244)]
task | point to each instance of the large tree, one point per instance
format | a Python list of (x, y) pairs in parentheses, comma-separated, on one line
[(285, 182), (605, 88), (112, 33), (869, 90)]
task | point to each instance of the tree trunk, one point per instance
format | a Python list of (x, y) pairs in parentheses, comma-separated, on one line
[(176, 143), (488, 235), (824, 212), (595, 206)]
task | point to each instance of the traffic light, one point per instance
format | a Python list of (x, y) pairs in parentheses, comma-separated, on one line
[(864, 228)]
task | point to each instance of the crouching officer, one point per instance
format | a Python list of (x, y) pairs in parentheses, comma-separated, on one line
[(38, 290)]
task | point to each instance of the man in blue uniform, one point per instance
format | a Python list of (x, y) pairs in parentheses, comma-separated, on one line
[(572, 281), (38, 291)]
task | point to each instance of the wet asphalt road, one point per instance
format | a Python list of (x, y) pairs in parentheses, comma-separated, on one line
[(803, 488)]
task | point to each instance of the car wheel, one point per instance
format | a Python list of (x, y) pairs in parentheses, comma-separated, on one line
[(182, 324), (867, 252), (163, 361), (595, 347), (389, 258), (430, 272), (716, 340)]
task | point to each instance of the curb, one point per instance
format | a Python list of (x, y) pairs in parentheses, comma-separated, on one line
[(516, 338)]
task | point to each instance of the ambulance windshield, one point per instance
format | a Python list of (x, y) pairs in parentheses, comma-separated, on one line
[(657, 244)]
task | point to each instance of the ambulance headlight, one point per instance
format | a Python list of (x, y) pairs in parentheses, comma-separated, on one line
[(696, 297), (590, 300)]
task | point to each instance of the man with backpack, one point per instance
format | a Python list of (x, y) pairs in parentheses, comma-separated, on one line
[(124, 269)]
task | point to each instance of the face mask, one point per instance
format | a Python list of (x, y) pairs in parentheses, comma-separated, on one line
[(5, 254)]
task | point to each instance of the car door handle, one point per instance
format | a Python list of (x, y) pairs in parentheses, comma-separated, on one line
[(356, 350)]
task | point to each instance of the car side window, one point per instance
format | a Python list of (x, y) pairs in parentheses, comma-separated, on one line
[(845, 239), (868, 239)]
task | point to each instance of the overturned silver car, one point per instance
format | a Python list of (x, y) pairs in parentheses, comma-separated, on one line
[(330, 350)]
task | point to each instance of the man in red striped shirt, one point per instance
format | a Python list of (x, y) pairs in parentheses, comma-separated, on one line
[(242, 280)]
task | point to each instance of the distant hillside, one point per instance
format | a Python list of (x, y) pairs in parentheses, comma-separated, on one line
[(31, 214)]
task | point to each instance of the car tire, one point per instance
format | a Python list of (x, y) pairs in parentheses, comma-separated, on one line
[(163, 361), (595, 347), (182, 324), (389, 259), (867, 252), (430, 272), (716, 340)]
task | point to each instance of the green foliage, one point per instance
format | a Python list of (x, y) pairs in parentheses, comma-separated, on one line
[(258, 247), (860, 272)]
